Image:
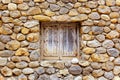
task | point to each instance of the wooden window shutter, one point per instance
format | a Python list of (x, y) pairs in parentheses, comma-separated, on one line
[(59, 41)]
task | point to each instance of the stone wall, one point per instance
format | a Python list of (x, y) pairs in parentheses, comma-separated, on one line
[(19, 39)]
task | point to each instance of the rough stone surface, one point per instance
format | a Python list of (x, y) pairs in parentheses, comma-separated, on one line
[(75, 70), (6, 71)]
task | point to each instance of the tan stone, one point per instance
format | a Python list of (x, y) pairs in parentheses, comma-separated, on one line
[(59, 65), (83, 17), (77, 4), (42, 18), (25, 30), (6, 71), (22, 51), (61, 18), (116, 78), (75, 19), (64, 72), (99, 57), (33, 37), (88, 50), (118, 2), (84, 63), (73, 12), (83, 10), (49, 13), (104, 9), (1, 77), (7, 19), (114, 14), (6, 1), (34, 29), (34, 11), (112, 34), (110, 2), (5, 30), (39, 0), (17, 1), (105, 17), (82, 0), (20, 37), (12, 6), (87, 37), (13, 36), (13, 45), (114, 20)]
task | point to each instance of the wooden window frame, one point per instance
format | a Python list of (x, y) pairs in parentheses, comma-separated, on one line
[(59, 57)]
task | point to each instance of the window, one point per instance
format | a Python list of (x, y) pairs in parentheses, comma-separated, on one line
[(59, 40)]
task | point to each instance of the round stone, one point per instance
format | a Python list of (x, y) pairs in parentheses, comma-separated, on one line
[(108, 66), (27, 70), (97, 30), (34, 64), (33, 37), (116, 70), (40, 70), (92, 4), (108, 44), (22, 51), (114, 15), (94, 16), (113, 52), (117, 61), (6, 71), (13, 45), (94, 65), (63, 10), (109, 75), (54, 7), (104, 9), (100, 50), (21, 64), (12, 6), (20, 37), (15, 14), (87, 71), (34, 55), (50, 70), (88, 50), (23, 6), (105, 17), (97, 73), (16, 71), (100, 37), (75, 70), (110, 2), (93, 43)]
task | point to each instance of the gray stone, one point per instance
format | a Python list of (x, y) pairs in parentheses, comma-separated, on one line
[(15, 14), (108, 44), (67, 64), (87, 71), (16, 71), (63, 10), (5, 38), (97, 30), (94, 16), (27, 71), (33, 46), (34, 64), (75, 70), (100, 37), (21, 64), (93, 43), (22, 77), (116, 70), (31, 23), (115, 8), (5, 13), (34, 55), (6, 71), (6, 53), (40, 70), (51, 1), (100, 50), (113, 52), (50, 70), (54, 77), (69, 5), (3, 61), (54, 7), (44, 77), (109, 75), (69, 77), (85, 29), (117, 61)]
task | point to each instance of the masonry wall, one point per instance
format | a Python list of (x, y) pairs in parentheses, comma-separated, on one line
[(20, 47)]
